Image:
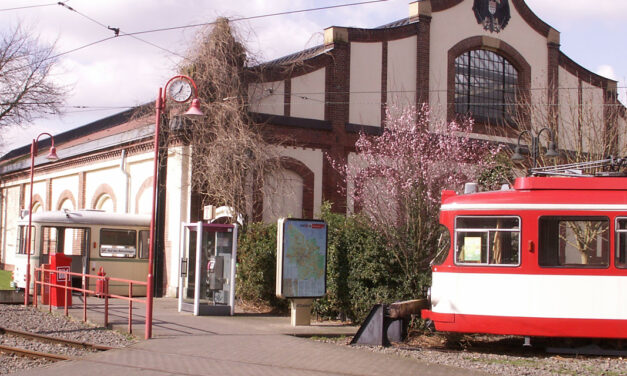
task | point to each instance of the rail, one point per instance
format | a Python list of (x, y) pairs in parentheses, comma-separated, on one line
[(101, 290)]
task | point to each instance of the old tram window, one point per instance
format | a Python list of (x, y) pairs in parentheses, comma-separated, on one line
[(485, 86), (118, 243), (22, 240), (49, 240), (144, 244), (578, 242), (621, 242), (487, 240)]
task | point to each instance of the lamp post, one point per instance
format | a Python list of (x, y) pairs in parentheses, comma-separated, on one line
[(551, 151), (178, 88), (52, 155)]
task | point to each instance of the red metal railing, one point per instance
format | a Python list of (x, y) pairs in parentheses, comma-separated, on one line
[(101, 290)]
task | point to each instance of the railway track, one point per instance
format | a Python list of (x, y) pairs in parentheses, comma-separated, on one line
[(40, 338)]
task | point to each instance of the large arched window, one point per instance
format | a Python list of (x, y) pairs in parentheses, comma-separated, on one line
[(485, 86)]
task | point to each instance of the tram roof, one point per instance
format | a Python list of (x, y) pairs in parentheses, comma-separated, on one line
[(548, 193), (89, 217)]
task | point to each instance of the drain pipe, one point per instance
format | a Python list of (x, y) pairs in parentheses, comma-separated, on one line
[(127, 179)]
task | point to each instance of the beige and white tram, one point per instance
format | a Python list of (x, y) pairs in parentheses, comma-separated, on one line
[(93, 239)]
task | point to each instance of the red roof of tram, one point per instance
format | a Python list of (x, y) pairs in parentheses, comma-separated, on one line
[(551, 190), (571, 183)]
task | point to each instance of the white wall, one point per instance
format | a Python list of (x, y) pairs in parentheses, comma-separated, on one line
[(365, 83), (307, 98), (11, 207), (282, 196), (59, 185), (313, 159), (267, 97), (177, 211), (568, 110), (401, 80)]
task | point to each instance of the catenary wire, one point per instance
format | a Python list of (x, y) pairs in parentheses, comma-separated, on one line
[(34, 6), (118, 31), (255, 17)]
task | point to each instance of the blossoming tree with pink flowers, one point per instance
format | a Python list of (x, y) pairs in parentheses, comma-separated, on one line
[(395, 180)]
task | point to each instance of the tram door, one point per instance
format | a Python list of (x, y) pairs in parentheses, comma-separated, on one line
[(207, 270)]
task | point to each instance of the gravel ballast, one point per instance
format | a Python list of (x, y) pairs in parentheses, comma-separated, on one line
[(29, 319), (501, 359)]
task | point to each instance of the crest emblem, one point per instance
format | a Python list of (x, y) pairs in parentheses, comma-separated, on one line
[(492, 14)]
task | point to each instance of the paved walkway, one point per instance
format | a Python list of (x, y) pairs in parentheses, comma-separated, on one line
[(184, 344)]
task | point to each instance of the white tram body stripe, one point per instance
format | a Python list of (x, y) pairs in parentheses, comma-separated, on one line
[(521, 206), (525, 295)]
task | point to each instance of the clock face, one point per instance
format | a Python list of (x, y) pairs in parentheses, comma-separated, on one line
[(180, 90)]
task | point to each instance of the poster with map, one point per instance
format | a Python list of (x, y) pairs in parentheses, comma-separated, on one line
[(301, 258)]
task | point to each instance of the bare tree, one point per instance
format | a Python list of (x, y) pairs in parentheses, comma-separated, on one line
[(27, 90), (230, 156), (586, 125)]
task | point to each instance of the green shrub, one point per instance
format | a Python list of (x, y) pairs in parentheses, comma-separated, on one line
[(256, 270), (360, 269)]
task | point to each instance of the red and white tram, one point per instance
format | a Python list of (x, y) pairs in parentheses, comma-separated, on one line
[(546, 258)]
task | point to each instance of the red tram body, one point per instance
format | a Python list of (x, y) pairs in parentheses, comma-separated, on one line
[(546, 258)]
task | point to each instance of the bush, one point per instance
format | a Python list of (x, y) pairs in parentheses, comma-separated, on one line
[(257, 266), (360, 269)]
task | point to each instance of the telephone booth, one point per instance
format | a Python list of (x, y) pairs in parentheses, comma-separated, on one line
[(207, 257)]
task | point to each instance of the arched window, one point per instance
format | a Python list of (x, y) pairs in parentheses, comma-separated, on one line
[(66, 204), (485, 86), (37, 207), (283, 196), (105, 203)]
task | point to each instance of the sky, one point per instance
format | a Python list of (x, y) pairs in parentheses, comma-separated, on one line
[(122, 72)]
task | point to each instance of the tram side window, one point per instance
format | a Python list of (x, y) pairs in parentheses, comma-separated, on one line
[(118, 243), (574, 242), (49, 240), (487, 240), (67, 240), (22, 240), (621, 243), (144, 245)]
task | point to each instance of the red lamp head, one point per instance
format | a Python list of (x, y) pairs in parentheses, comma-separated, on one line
[(194, 110), (52, 155)]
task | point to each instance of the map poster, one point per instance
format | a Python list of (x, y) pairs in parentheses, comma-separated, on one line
[(301, 258)]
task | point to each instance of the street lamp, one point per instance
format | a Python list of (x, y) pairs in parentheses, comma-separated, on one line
[(52, 155), (180, 89), (551, 151)]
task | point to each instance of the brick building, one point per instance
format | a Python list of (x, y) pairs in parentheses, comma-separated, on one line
[(498, 54)]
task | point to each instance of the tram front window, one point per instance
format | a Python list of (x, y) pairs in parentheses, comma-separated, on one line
[(487, 240)]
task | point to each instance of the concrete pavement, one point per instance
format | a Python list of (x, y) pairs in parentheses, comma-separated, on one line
[(244, 344)]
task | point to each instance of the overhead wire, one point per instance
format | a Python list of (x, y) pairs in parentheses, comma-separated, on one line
[(237, 19), (34, 6), (118, 32), (131, 34)]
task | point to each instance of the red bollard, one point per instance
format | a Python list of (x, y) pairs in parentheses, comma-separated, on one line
[(100, 288)]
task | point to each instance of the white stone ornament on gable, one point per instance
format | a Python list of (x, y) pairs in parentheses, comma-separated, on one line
[(492, 14)]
